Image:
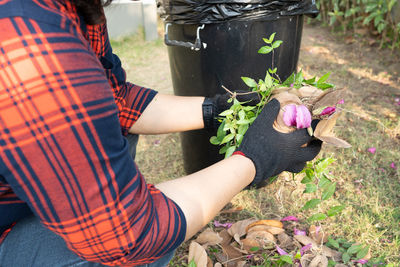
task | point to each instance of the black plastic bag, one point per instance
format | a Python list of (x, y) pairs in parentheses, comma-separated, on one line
[(215, 11)]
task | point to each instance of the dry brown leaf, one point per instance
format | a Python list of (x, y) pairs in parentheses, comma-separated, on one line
[(319, 261), (328, 252), (226, 237), (209, 262), (284, 240), (318, 236), (240, 227), (263, 237), (198, 254), (231, 253), (329, 98), (262, 227), (237, 239), (218, 264), (333, 140), (249, 243), (240, 264), (274, 223), (309, 92), (306, 259), (209, 237)]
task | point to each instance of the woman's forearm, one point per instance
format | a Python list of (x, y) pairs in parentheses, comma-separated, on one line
[(169, 113), (203, 194)]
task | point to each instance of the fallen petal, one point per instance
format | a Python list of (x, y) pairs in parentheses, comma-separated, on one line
[(305, 248), (328, 111), (393, 166), (289, 115), (341, 101), (303, 117), (361, 261), (299, 232), (281, 251), (290, 218), (225, 225), (372, 150)]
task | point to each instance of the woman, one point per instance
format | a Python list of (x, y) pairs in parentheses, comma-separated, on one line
[(70, 193)]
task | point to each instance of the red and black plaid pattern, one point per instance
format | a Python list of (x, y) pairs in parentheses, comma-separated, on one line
[(62, 151)]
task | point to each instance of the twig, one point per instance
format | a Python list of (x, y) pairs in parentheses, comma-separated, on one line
[(234, 94)]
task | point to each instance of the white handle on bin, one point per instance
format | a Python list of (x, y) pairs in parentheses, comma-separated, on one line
[(194, 46)]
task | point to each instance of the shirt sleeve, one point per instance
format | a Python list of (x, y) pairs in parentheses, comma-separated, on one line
[(131, 99), (62, 151)]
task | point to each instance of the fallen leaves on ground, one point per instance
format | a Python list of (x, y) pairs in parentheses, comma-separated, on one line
[(251, 242)]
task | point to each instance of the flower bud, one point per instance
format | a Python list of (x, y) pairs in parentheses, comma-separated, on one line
[(328, 111)]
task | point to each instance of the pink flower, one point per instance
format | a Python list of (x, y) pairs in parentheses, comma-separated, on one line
[(290, 218), (281, 251), (372, 150), (225, 225), (297, 115), (393, 166), (362, 261), (341, 101), (305, 248), (328, 111), (299, 232)]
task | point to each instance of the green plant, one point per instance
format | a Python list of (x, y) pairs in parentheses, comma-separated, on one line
[(375, 15)]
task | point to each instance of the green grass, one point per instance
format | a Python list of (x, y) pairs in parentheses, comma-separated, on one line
[(366, 184)]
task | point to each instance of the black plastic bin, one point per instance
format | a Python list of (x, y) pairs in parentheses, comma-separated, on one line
[(225, 51)]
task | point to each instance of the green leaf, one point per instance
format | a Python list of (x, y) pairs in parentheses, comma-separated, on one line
[(331, 263), (335, 210), (263, 88), (223, 149), (333, 243), (268, 80), (298, 255), (272, 71), (271, 37), (239, 138), (265, 50), (345, 257), (310, 188), (214, 140), (254, 249), (276, 44), (354, 249), (249, 82), (329, 191), (192, 263), (289, 80), (226, 113), (221, 132), (362, 253), (317, 217), (243, 122), (242, 115), (286, 258), (230, 151), (323, 164), (227, 138), (323, 78), (311, 203), (266, 40), (310, 81), (324, 86), (299, 78), (324, 182), (242, 129)]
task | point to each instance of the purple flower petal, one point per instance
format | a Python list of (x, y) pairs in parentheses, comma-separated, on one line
[(362, 261), (372, 150), (341, 101), (317, 229), (328, 111), (305, 248), (299, 232), (225, 225), (393, 166), (303, 117), (289, 115), (281, 251), (249, 256), (290, 218)]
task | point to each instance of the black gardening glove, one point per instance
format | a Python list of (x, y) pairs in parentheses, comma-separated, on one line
[(273, 152), (215, 105)]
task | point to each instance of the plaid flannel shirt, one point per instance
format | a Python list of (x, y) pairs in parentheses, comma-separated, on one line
[(64, 107)]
